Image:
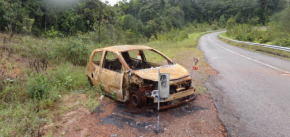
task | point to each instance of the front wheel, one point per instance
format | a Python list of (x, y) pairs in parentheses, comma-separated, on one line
[(135, 100)]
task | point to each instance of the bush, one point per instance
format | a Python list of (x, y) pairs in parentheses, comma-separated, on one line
[(230, 25), (38, 86), (214, 27), (183, 35), (68, 77), (282, 41), (21, 119), (64, 78), (77, 53)]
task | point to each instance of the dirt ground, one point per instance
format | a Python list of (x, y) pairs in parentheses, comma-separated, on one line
[(111, 118)]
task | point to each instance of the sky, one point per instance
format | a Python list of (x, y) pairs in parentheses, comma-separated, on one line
[(66, 2), (112, 2)]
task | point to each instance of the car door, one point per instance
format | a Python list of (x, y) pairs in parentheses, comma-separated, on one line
[(111, 75), (96, 62)]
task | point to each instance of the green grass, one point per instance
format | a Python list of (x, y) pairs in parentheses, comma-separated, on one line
[(170, 48), (224, 34), (30, 100), (193, 35), (24, 113)]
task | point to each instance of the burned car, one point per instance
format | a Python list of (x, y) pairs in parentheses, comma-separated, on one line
[(130, 73)]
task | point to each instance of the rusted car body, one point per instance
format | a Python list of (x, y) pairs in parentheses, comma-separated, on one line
[(126, 73)]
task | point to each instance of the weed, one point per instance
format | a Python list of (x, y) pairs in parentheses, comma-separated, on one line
[(78, 128), (87, 134), (57, 125), (38, 86), (114, 96), (100, 90), (92, 104)]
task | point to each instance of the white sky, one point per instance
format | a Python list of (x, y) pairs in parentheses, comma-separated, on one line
[(112, 2)]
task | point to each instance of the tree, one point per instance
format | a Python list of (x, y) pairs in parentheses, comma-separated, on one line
[(151, 28), (2, 20), (27, 24), (12, 10), (222, 21), (230, 25), (129, 22), (147, 13), (239, 18), (175, 16), (51, 13)]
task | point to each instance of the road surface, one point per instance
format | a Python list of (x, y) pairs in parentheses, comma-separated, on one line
[(251, 91)]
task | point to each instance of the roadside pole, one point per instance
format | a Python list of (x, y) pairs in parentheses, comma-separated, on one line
[(195, 64), (158, 99), (191, 74), (161, 92)]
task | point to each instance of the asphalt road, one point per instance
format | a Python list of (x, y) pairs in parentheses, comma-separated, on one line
[(251, 91)]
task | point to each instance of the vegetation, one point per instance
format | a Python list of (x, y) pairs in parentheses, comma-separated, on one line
[(275, 52), (277, 32), (129, 21), (37, 73), (46, 62)]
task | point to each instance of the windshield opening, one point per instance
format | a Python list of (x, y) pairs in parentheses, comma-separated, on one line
[(143, 59)]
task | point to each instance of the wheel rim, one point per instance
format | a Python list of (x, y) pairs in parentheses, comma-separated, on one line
[(135, 100)]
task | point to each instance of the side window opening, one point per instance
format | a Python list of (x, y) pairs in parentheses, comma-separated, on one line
[(112, 62), (97, 58)]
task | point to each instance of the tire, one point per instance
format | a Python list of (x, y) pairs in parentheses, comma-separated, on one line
[(135, 100)]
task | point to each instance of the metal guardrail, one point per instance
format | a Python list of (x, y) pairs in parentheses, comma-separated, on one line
[(258, 44)]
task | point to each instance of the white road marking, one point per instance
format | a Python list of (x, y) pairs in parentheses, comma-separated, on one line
[(250, 58), (286, 74)]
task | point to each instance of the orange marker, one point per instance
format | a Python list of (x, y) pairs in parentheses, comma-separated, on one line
[(138, 56)]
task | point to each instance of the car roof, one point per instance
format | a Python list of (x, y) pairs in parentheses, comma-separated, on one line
[(123, 48)]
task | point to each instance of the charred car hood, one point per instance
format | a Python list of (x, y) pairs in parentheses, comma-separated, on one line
[(176, 72)]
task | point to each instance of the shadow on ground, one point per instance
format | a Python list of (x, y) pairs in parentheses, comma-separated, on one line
[(146, 121)]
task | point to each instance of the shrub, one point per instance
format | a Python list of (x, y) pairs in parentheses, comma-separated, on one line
[(100, 90), (38, 86), (77, 53), (183, 35), (222, 21), (230, 25), (92, 104), (214, 27)]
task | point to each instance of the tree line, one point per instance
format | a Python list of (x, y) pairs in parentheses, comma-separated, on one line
[(135, 18)]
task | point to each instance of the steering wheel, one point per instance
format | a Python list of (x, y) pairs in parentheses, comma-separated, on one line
[(137, 66), (147, 64)]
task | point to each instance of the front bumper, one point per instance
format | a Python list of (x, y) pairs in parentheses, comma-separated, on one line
[(177, 99), (178, 95)]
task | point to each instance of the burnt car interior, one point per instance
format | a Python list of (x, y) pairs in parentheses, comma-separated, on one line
[(146, 59), (112, 62)]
